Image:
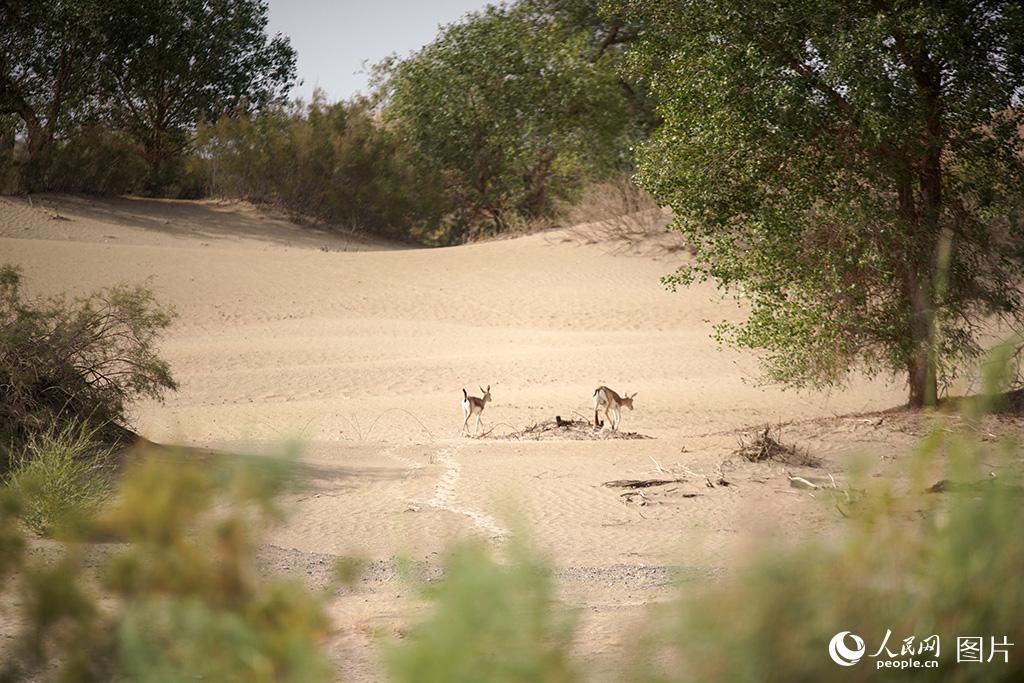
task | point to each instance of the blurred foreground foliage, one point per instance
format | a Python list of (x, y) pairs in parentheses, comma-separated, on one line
[(910, 561), (491, 621), (181, 599)]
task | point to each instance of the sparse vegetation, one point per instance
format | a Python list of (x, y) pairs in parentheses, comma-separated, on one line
[(766, 445), (915, 564), (567, 428)]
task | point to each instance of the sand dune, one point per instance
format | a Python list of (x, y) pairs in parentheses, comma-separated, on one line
[(361, 349)]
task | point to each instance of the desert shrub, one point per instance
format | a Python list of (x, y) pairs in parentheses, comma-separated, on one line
[(78, 361), (60, 475), (490, 622), (333, 163), (97, 160), (188, 602)]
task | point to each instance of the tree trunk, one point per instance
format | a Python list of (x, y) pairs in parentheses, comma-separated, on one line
[(37, 137), (921, 375), (156, 158), (919, 295), (925, 225), (536, 200), (923, 388)]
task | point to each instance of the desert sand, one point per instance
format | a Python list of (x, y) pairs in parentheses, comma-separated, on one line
[(360, 350)]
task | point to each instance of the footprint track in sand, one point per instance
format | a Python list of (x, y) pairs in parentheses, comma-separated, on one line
[(444, 496), (444, 491)]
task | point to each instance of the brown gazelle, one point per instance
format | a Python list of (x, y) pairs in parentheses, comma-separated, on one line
[(471, 405), (612, 402)]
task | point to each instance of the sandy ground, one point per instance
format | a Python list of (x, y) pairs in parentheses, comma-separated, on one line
[(361, 350)]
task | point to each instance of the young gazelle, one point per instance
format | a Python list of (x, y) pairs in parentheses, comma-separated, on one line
[(471, 405), (612, 402)]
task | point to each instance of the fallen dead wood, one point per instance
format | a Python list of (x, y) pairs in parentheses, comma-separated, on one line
[(640, 483), (637, 497)]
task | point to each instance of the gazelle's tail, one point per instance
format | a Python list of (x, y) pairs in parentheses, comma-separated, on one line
[(465, 396)]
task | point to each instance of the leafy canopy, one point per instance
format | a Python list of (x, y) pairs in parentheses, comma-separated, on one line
[(49, 52), (152, 69)]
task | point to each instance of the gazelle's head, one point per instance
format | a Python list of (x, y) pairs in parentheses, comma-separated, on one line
[(486, 392), (628, 400)]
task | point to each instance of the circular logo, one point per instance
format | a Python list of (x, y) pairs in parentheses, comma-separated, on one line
[(842, 655)]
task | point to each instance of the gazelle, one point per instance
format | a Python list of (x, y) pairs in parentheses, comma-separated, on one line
[(471, 405), (612, 402)]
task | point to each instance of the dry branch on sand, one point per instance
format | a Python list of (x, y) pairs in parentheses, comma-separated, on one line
[(640, 483), (574, 429), (765, 447)]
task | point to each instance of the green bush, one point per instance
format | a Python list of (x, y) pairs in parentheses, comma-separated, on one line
[(84, 361), (61, 475)]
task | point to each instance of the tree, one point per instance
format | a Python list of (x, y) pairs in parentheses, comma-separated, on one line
[(512, 108), (852, 170), (175, 64), (48, 57)]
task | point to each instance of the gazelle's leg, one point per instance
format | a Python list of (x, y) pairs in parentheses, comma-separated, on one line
[(465, 424), (618, 416), (478, 418)]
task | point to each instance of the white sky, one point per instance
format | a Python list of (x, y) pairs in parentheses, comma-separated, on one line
[(334, 38)]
